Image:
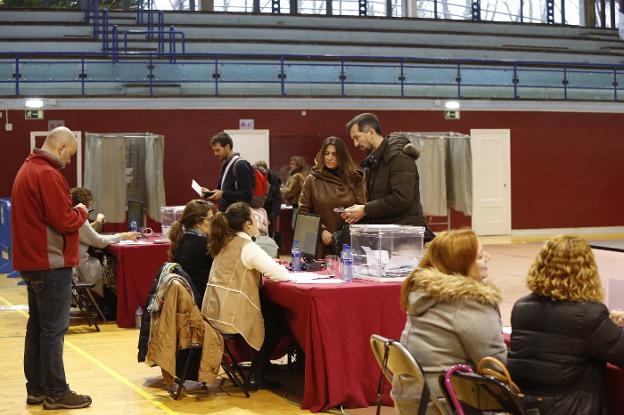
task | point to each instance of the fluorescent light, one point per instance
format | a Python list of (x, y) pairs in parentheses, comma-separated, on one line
[(451, 105), (34, 103)]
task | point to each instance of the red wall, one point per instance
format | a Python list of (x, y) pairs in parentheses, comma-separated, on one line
[(566, 168)]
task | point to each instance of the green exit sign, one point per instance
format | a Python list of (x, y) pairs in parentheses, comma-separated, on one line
[(33, 115), (451, 115)]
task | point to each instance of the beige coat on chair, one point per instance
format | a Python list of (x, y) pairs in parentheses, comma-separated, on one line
[(178, 325)]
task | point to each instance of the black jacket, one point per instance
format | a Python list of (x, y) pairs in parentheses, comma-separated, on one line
[(238, 185), (392, 184), (559, 351)]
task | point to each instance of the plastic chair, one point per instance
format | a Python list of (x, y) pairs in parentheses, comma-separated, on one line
[(469, 391), (394, 359)]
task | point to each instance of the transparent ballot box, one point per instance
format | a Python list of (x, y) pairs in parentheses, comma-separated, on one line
[(386, 251), (168, 215)]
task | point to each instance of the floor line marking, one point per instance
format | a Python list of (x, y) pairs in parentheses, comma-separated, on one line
[(151, 398)]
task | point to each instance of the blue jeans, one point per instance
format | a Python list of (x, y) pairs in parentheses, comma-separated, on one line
[(49, 299)]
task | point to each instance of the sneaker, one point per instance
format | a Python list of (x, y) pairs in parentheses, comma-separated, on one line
[(69, 400), (35, 399)]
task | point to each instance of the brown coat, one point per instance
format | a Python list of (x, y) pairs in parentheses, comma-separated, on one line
[(392, 183), (178, 325), (292, 190), (324, 191), (232, 299)]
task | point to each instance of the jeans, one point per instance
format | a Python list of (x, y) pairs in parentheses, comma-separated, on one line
[(49, 298)]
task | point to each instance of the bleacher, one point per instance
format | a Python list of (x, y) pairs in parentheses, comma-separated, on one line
[(245, 54)]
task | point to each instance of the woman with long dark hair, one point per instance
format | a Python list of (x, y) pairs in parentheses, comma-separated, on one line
[(233, 302), (189, 242), (332, 183)]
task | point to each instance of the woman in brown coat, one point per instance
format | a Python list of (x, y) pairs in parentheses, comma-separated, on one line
[(292, 190), (332, 183)]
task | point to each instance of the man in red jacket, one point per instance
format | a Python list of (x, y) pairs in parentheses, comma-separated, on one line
[(44, 229)]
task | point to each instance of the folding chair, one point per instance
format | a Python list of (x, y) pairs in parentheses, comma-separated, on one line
[(395, 359), (187, 366), (86, 303), (473, 393)]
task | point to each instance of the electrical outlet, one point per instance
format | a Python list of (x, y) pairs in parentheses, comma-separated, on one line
[(8, 127)]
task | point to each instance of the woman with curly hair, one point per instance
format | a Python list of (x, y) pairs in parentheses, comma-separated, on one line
[(452, 314), (562, 336)]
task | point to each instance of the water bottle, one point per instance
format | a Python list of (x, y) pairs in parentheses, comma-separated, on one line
[(138, 317), (295, 253), (346, 257), (133, 226)]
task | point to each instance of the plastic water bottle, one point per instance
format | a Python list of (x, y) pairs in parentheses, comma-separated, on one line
[(133, 226), (346, 257), (138, 317), (295, 253)]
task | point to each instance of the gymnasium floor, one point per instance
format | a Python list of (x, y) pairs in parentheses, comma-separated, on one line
[(104, 364)]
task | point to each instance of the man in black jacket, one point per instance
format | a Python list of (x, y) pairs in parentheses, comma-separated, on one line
[(392, 181), (236, 180)]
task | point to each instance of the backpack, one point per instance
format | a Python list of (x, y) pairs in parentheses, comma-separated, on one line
[(259, 184)]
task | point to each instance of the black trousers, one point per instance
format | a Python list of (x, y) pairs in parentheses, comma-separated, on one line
[(275, 327)]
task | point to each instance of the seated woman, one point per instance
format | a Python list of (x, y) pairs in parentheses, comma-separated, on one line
[(90, 268), (189, 243), (452, 314), (562, 335), (264, 240), (332, 183), (233, 302)]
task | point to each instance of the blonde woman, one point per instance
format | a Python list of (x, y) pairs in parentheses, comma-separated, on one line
[(452, 314), (562, 335)]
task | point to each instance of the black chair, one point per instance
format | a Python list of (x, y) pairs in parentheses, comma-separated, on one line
[(188, 360), (87, 305), (471, 393)]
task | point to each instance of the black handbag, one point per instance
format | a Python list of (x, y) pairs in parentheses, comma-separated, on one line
[(340, 237)]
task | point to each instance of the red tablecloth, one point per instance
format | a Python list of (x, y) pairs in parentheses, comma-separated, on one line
[(136, 269), (333, 325)]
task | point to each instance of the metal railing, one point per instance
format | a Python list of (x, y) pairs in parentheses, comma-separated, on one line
[(306, 75)]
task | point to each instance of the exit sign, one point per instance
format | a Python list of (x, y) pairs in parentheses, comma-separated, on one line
[(451, 115), (33, 115)]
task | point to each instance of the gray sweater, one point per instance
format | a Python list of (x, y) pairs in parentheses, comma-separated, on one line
[(90, 268), (451, 319)]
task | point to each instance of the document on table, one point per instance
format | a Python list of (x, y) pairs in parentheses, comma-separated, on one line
[(197, 188), (129, 242), (313, 278)]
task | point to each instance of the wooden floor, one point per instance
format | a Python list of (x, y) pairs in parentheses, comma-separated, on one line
[(104, 364)]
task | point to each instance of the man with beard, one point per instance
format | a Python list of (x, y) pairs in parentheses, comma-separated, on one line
[(391, 177), (236, 180)]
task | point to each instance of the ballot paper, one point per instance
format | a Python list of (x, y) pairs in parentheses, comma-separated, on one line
[(313, 278), (197, 188)]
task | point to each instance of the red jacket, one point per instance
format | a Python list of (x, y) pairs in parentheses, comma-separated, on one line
[(44, 224)]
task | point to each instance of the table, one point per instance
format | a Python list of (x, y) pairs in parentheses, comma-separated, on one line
[(136, 269), (333, 324)]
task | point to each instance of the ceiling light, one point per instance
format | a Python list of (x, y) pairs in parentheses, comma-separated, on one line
[(34, 103), (451, 105)]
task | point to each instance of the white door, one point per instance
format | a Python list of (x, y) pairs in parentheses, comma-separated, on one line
[(253, 145), (491, 182), (36, 140)]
